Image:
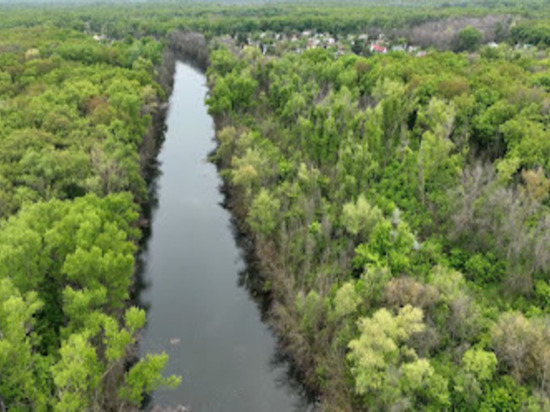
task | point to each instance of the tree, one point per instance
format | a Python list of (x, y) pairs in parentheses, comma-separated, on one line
[(471, 384), (77, 374), (22, 368), (378, 346), (144, 377), (248, 170), (346, 300), (437, 168), (264, 210), (73, 259), (360, 217), (523, 345), (385, 369), (468, 39), (481, 364), (66, 255)]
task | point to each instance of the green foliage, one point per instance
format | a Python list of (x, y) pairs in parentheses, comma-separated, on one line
[(17, 356), (235, 91), (377, 347), (346, 300), (360, 179), (74, 113), (505, 395), (144, 377), (471, 384), (361, 217), (80, 292), (468, 39), (387, 371), (263, 213), (484, 269), (480, 364), (77, 373), (390, 182)]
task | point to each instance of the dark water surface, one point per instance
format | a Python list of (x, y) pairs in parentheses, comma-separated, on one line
[(197, 313)]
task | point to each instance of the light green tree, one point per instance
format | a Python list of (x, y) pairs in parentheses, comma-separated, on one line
[(385, 369), (263, 214), (360, 217)]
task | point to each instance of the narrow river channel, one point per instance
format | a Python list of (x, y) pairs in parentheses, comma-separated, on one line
[(197, 313)]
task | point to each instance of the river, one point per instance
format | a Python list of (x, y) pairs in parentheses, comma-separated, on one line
[(209, 325)]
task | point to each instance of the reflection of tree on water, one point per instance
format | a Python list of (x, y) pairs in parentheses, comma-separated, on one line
[(152, 174), (251, 279), (281, 370), (190, 48), (151, 168)]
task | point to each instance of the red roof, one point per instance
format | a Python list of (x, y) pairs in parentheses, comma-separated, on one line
[(378, 48)]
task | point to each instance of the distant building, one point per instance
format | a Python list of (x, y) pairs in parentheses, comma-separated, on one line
[(376, 48), (492, 45), (341, 50), (399, 48), (312, 43)]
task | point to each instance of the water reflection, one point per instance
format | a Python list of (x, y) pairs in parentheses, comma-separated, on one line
[(251, 279), (199, 283)]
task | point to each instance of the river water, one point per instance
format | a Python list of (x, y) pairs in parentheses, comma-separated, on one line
[(209, 325)]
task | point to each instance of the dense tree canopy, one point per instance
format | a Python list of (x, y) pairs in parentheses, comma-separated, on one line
[(73, 116), (400, 207), (399, 203)]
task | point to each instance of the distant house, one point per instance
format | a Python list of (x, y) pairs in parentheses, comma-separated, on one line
[(341, 50), (377, 48), (399, 48), (312, 43), (492, 45)]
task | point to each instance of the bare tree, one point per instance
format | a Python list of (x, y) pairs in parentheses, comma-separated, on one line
[(443, 33), (509, 221), (190, 46)]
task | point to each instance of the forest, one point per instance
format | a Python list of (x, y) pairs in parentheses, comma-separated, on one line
[(400, 208), (398, 203), (74, 118)]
